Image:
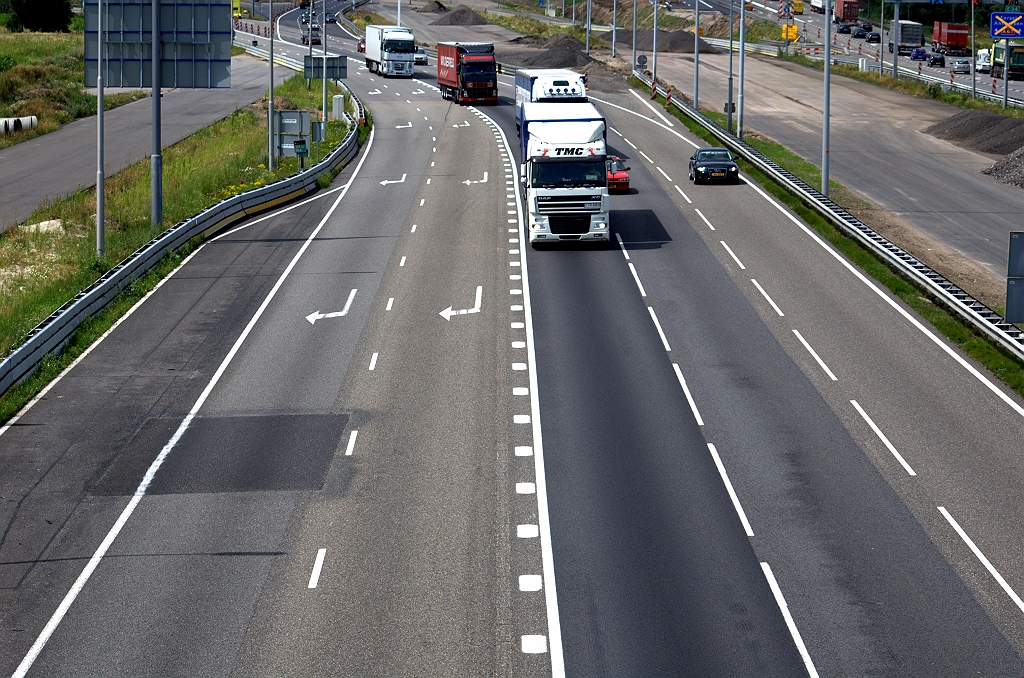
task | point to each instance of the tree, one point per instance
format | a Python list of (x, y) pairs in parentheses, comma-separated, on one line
[(40, 15)]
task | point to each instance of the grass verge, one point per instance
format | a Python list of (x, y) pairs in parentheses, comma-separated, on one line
[(525, 25), (996, 359), (363, 18)]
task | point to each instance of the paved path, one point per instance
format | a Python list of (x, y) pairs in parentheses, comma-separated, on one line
[(57, 164)]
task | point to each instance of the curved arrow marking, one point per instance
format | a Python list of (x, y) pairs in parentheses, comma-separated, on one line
[(317, 315), (400, 181), (448, 312), (405, 126), (482, 181)]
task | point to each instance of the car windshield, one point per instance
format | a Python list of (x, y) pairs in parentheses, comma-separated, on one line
[(484, 68), (562, 174), (616, 166), (714, 156), (400, 46)]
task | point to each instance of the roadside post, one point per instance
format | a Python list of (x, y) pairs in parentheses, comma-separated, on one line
[(827, 99), (730, 108), (743, 52), (696, 54), (615, 23), (100, 49), (323, 118), (1015, 279), (1005, 25), (654, 46)]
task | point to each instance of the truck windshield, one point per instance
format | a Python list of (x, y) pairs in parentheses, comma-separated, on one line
[(478, 68), (568, 174), (400, 46)]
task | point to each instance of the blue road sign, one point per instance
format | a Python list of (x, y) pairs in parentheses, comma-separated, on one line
[(1007, 25)]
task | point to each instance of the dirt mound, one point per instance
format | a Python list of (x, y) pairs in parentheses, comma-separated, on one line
[(983, 131), (527, 40), (461, 16), (558, 57), (433, 6), (564, 40), (1009, 170), (670, 41)]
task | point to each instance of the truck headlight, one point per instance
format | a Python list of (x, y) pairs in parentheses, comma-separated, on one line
[(600, 225)]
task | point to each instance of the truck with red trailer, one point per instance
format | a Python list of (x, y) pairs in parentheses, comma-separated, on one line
[(950, 38), (467, 72), (846, 11)]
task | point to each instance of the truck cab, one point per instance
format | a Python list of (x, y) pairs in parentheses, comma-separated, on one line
[(467, 72), (390, 50)]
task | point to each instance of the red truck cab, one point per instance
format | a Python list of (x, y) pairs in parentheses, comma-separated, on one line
[(467, 72)]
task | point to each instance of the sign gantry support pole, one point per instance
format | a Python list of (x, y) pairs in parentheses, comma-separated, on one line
[(696, 53), (156, 161), (728, 106), (100, 236), (1006, 72), (743, 52), (590, 14), (323, 118), (654, 47), (827, 99), (615, 23), (270, 101), (634, 36), (974, 58)]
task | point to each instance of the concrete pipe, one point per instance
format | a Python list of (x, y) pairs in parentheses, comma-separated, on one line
[(12, 125)]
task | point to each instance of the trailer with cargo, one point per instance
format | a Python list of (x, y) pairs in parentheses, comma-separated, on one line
[(951, 39), (390, 50), (908, 34), (818, 6), (467, 72), (846, 11), (1016, 70)]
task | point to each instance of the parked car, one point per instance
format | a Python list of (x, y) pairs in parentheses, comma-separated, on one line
[(961, 66), (937, 60), (713, 164), (420, 58), (860, 33), (618, 175), (918, 54), (874, 36), (845, 28), (361, 45)]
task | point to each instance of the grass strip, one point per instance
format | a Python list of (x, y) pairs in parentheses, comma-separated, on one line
[(994, 357), (525, 25)]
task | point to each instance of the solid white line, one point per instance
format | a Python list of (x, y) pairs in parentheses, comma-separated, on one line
[(781, 600), (140, 492), (878, 432), (733, 255), (648, 104), (646, 157), (373, 361), (351, 443), (318, 564), (684, 195), (643, 292), (815, 356), (543, 519), (348, 304), (730, 490), (622, 246), (984, 561), (701, 215), (686, 392), (664, 340), (765, 295), (663, 173), (391, 300), (650, 120)]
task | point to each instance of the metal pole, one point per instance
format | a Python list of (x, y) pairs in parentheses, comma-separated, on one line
[(100, 240), (894, 35), (743, 52), (1006, 72), (323, 119), (634, 37), (824, 123), (312, 15), (590, 8), (881, 33), (974, 58), (270, 102), (654, 46), (156, 161), (615, 22), (399, 12), (696, 52), (729, 103)]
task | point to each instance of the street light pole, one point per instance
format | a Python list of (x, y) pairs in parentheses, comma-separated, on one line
[(100, 239), (615, 23), (633, 65), (156, 161), (270, 101), (827, 100), (323, 119), (654, 47), (696, 53), (743, 52), (974, 58), (590, 7), (729, 103)]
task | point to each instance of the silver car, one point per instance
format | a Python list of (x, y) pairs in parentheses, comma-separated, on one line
[(961, 66), (420, 58)]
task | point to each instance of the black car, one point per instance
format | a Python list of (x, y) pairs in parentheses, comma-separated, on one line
[(860, 33), (845, 28), (874, 37), (935, 59), (713, 164), (866, 25)]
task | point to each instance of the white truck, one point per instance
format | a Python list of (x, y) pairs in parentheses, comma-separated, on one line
[(983, 64), (818, 6), (562, 149), (390, 50), (909, 35), (548, 85)]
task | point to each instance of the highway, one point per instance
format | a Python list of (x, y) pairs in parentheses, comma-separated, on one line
[(711, 448)]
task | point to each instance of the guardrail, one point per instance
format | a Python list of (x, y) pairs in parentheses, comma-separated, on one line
[(54, 332), (970, 310)]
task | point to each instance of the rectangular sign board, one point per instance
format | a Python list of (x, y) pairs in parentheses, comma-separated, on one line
[(195, 43), (337, 67), (289, 127), (1009, 25)]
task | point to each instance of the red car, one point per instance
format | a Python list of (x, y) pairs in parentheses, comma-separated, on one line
[(618, 175), (361, 45)]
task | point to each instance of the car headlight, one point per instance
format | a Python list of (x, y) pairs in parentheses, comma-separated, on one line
[(734, 169), (701, 169)]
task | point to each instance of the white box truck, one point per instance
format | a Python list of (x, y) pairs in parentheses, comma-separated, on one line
[(562, 149), (548, 85), (390, 50)]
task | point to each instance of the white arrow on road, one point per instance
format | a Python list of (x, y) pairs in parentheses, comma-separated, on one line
[(482, 181), (376, 91), (419, 91), (405, 126), (464, 124), (448, 312), (400, 181), (317, 315)]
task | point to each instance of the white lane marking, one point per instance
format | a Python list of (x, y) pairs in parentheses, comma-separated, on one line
[(663, 173), (733, 255), (516, 307), (793, 631), (684, 195), (622, 246), (547, 557), (732, 493), (140, 492), (318, 564), (422, 200), (689, 397), (984, 561), (701, 215), (661, 333), (646, 157), (520, 419), (402, 262), (527, 531), (629, 142), (526, 488), (524, 450), (396, 181), (391, 300), (765, 295), (518, 326), (531, 582), (519, 367), (519, 344), (641, 115), (648, 104), (533, 644), (615, 130), (351, 441), (643, 292), (413, 230), (815, 356), (881, 436), (428, 182), (317, 315)]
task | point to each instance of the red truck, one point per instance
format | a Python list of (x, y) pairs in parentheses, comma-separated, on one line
[(467, 72), (846, 11), (950, 39)]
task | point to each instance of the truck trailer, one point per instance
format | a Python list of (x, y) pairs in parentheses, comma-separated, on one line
[(467, 72), (846, 11), (548, 85), (390, 50), (909, 34), (818, 6), (950, 39), (1016, 61), (562, 148)]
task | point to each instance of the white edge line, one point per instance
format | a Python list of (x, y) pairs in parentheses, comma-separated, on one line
[(730, 490), (881, 436), (641, 115), (793, 631), (632, 269), (544, 521), (649, 105), (94, 561), (815, 355), (661, 333), (351, 443), (318, 564), (701, 215), (733, 255), (646, 157), (684, 195), (984, 561), (769, 299), (689, 397)]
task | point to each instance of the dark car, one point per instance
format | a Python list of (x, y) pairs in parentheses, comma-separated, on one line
[(845, 28), (713, 164), (873, 36), (618, 175), (918, 54), (937, 60), (866, 25), (860, 33)]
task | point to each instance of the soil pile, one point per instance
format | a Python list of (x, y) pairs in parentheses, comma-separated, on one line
[(528, 40), (983, 131), (669, 41), (1009, 170), (461, 16), (433, 6), (560, 51)]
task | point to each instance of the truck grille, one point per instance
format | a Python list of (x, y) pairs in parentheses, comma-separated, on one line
[(569, 224), (557, 204)]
